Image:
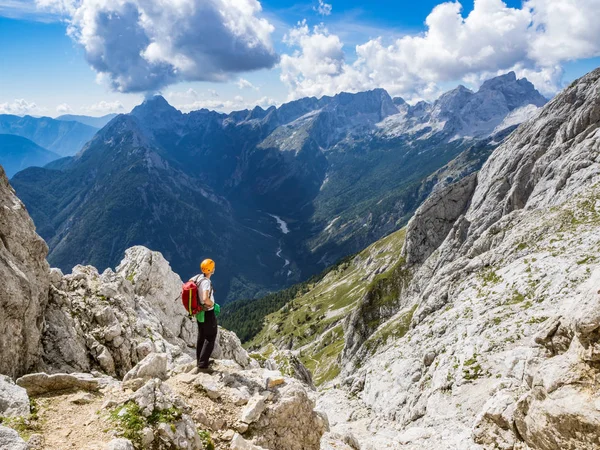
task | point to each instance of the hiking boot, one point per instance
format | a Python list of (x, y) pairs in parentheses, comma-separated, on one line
[(205, 370)]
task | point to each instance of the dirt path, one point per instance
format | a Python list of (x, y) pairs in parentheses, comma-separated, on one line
[(67, 425)]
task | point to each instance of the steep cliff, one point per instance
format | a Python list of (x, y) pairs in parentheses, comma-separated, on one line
[(499, 310), (23, 285)]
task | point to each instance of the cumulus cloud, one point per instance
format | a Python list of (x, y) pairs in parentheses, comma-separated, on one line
[(324, 8), (532, 40), (20, 107), (266, 102), (64, 108), (145, 45), (189, 100), (104, 107), (242, 83)]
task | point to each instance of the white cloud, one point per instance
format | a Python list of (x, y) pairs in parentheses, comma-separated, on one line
[(266, 102), (104, 107), (187, 103), (20, 107), (213, 93), (212, 104), (145, 45), (533, 40), (63, 108), (324, 8), (243, 83)]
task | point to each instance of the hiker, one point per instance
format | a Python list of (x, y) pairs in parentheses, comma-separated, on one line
[(207, 320)]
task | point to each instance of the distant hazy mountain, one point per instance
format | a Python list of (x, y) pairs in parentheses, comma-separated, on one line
[(18, 153), (274, 195), (62, 137), (96, 122)]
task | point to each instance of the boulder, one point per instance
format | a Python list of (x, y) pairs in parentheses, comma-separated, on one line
[(239, 443), (10, 440), (253, 410), (42, 383), (14, 400), (24, 287), (120, 444), (289, 422), (152, 366), (228, 346)]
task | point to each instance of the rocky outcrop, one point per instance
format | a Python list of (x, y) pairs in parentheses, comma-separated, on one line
[(13, 399), (111, 321), (175, 430), (228, 346), (24, 285), (435, 218), (10, 439), (285, 361), (290, 423), (42, 383)]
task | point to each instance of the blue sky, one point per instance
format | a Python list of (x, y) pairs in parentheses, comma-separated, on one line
[(46, 72)]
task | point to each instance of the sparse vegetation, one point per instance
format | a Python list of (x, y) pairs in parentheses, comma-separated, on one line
[(130, 421)]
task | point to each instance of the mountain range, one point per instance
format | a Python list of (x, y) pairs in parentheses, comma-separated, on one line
[(64, 138), (272, 195), (24, 139), (96, 122), (18, 153)]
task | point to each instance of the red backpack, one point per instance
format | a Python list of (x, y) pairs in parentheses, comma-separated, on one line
[(189, 298)]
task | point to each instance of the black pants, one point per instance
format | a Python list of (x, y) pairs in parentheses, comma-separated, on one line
[(207, 335)]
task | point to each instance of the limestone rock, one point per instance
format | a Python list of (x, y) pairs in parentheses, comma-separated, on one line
[(506, 297), (111, 321), (152, 366), (228, 346), (36, 442), (435, 218), (239, 443), (120, 444), (82, 398), (9, 439), (208, 385), (253, 409), (24, 288), (14, 400), (42, 383), (156, 396), (289, 422), (287, 363), (152, 279)]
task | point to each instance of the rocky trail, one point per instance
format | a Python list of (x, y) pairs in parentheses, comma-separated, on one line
[(222, 410)]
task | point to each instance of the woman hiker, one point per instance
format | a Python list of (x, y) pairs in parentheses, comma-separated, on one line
[(207, 320)]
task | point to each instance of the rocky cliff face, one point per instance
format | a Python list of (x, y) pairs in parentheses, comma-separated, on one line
[(499, 321), (24, 285)]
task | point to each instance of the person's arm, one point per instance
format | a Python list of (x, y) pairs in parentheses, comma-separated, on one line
[(206, 300)]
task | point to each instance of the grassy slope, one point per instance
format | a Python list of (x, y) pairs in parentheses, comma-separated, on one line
[(312, 322)]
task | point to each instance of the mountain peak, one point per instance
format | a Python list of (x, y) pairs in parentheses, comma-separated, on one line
[(518, 92), (156, 112), (506, 78), (154, 105)]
